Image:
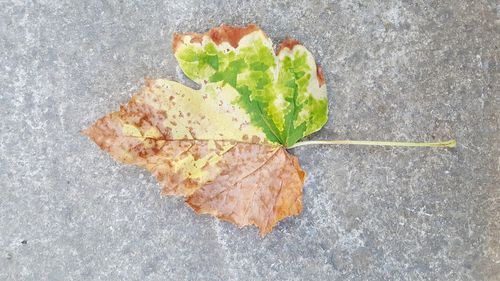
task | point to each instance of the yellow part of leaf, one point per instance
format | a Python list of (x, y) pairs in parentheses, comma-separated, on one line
[(209, 114), (131, 131)]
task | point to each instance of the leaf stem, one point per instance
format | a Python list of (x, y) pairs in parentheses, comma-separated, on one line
[(450, 143)]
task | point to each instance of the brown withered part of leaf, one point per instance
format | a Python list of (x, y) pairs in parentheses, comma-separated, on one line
[(223, 33), (258, 185), (229, 172)]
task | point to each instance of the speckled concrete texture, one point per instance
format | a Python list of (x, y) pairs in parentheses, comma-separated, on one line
[(396, 70)]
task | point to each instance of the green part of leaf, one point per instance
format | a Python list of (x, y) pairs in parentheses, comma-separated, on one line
[(281, 93), (257, 115)]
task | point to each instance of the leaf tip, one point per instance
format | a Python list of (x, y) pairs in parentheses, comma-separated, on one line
[(85, 132)]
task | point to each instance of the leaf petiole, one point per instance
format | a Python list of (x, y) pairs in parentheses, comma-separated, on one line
[(450, 143)]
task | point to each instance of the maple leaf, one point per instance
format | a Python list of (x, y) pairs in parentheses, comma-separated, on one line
[(223, 147)]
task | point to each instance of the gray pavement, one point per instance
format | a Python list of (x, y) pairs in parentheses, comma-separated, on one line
[(396, 70)]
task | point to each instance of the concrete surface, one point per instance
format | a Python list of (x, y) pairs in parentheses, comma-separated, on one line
[(396, 70)]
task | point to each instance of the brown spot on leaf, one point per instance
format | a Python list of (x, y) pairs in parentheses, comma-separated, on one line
[(287, 43), (255, 139), (320, 75), (177, 40)]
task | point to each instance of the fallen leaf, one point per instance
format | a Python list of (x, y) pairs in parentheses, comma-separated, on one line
[(223, 147)]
